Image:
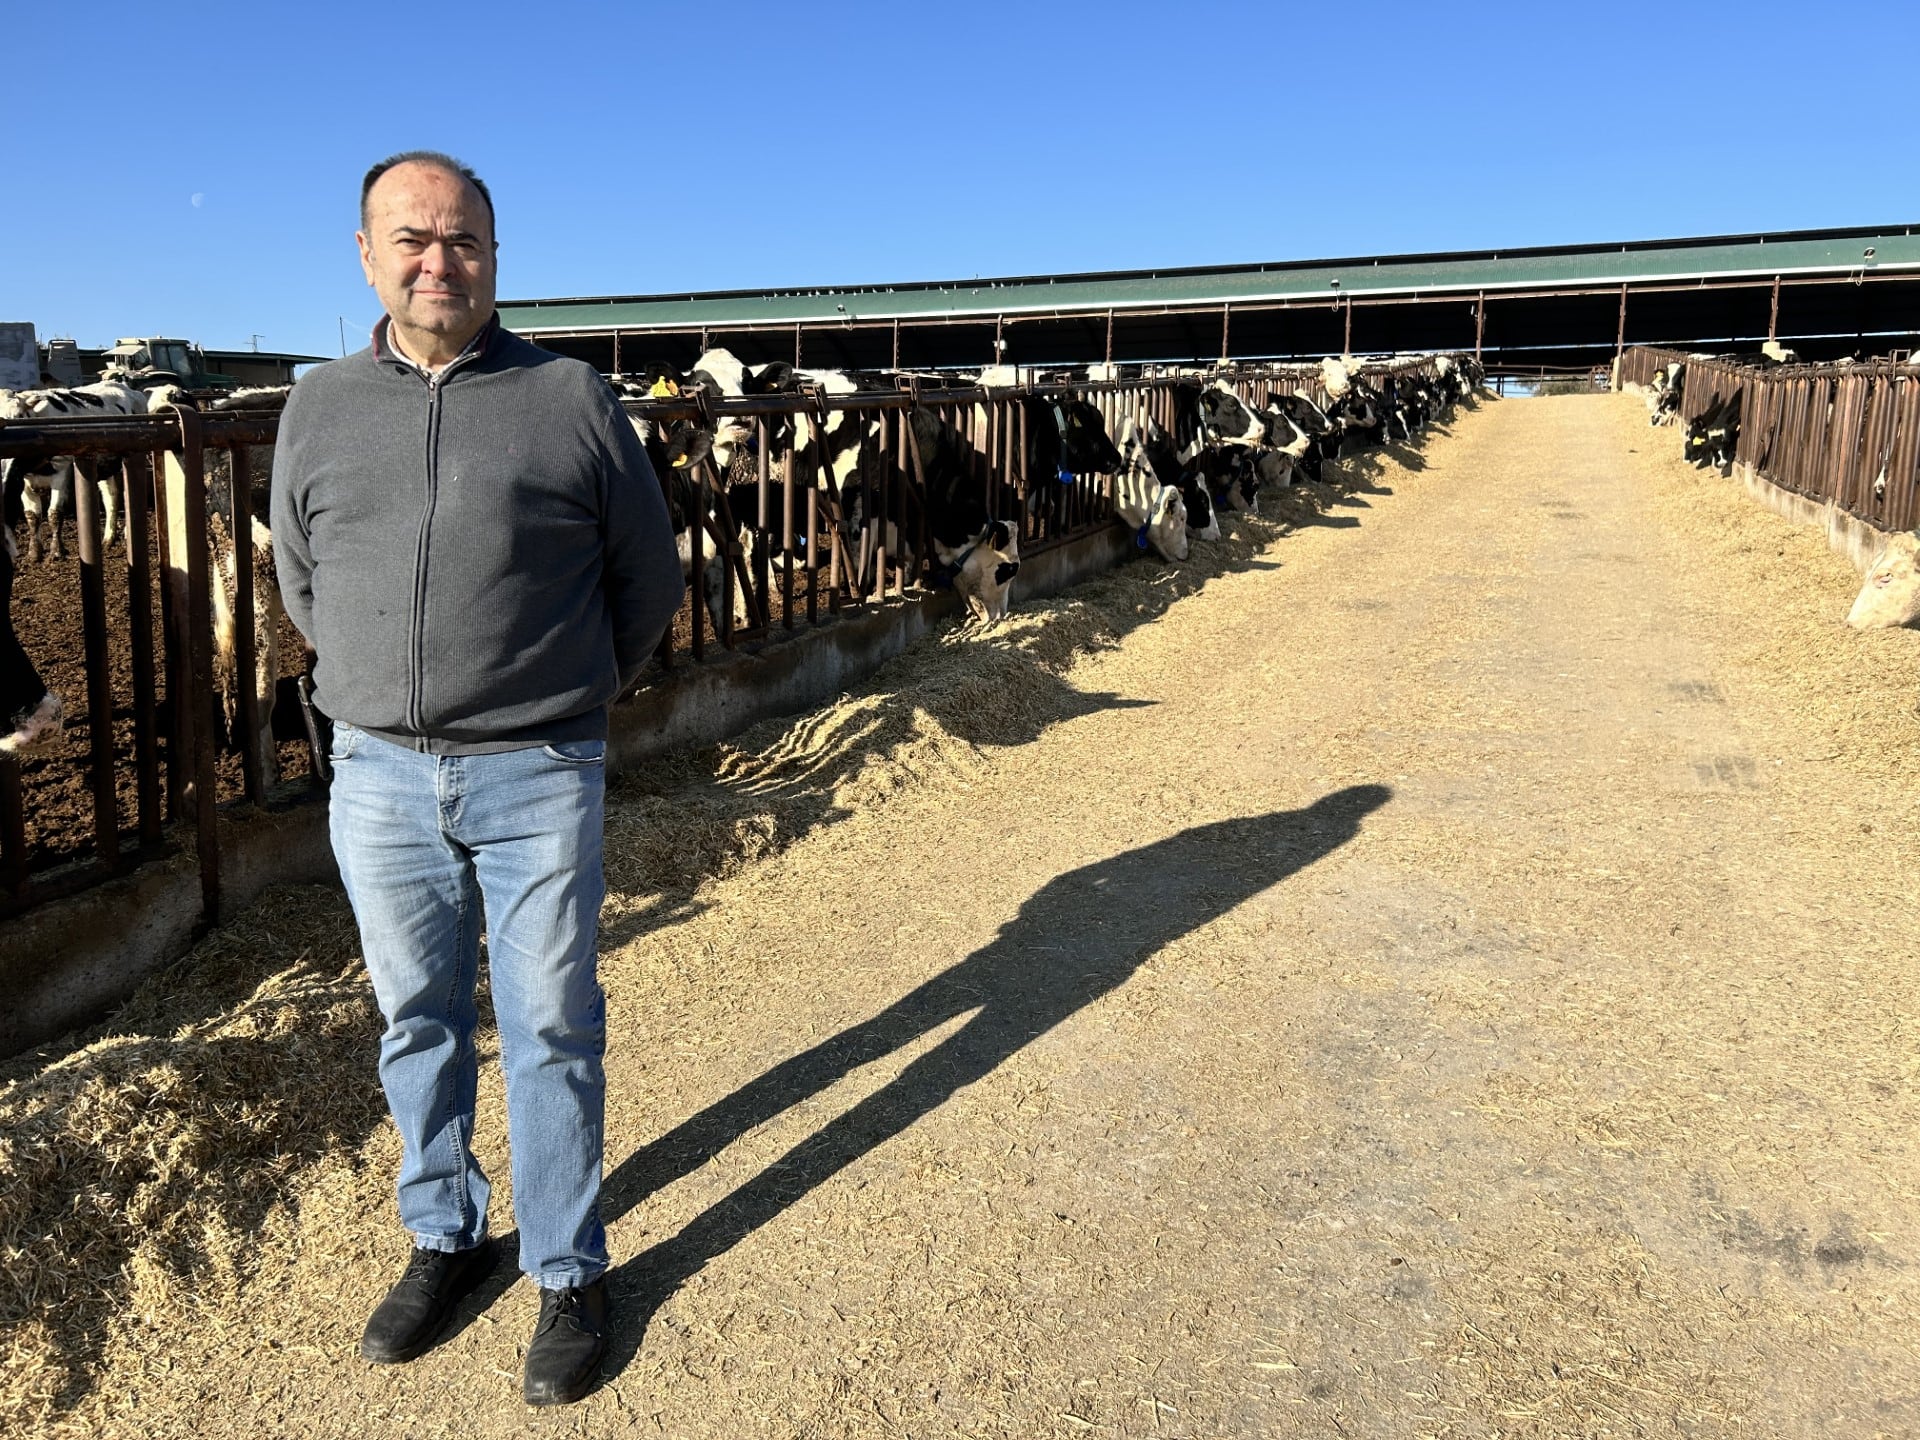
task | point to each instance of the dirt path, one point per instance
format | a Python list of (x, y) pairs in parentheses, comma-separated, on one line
[(1445, 977)]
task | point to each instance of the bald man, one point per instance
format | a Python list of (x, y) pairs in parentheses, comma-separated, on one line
[(471, 539)]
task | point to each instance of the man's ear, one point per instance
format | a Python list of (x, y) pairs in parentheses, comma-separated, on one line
[(366, 255)]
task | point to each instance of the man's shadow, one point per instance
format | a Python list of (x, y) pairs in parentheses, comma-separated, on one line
[(1079, 937)]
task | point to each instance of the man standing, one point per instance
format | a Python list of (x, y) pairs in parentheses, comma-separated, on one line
[(469, 535)]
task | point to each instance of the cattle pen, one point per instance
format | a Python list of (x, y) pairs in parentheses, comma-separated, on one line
[(158, 769), (1844, 437), (1437, 964)]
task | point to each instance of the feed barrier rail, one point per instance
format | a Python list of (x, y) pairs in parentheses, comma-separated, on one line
[(1846, 435), (157, 770)]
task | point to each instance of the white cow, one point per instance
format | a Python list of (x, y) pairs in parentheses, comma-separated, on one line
[(1891, 595)]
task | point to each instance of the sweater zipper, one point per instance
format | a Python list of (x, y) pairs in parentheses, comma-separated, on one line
[(417, 634)]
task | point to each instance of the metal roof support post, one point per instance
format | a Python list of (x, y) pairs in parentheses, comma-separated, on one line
[(1620, 335), (1226, 321), (616, 352), (703, 340), (999, 345), (796, 347), (896, 342), (1346, 339), (1109, 337), (1773, 319), (1479, 324)]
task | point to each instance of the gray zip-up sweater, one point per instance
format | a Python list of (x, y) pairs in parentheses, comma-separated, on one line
[(481, 560)]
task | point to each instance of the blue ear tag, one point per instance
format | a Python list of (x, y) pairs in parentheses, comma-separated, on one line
[(1140, 536), (1066, 478)]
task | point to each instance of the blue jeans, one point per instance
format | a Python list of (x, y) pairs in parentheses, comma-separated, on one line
[(424, 842)]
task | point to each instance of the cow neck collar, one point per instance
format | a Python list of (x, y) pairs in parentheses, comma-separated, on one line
[(960, 560)]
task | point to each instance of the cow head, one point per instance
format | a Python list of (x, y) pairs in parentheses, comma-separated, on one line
[(1226, 420), (657, 380), (1270, 467), (776, 377), (718, 372), (1202, 523), (1229, 475), (983, 572), (1891, 595), (1166, 527), (1084, 446), (1713, 434), (1308, 418)]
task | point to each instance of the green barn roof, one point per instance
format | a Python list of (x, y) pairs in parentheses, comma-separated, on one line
[(1563, 269)]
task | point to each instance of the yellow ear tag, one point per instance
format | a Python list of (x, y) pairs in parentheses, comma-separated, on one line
[(664, 389), (683, 462)]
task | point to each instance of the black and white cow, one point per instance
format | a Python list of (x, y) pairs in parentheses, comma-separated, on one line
[(676, 457), (1310, 421), (1151, 508), (981, 551), (1066, 438), (1196, 499), (46, 487), (1714, 432), (717, 374), (1666, 392), (1362, 414), (1226, 419)]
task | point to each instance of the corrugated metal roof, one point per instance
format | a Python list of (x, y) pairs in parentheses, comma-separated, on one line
[(1896, 247)]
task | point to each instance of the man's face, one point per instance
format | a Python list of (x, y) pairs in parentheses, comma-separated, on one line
[(428, 251)]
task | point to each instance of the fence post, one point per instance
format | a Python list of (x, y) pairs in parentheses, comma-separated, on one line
[(93, 620), (190, 755)]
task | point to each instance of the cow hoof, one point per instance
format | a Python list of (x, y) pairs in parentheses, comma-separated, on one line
[(41, 726)]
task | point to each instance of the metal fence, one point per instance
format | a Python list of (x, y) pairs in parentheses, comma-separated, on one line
[(158, 765), (1845, 434)]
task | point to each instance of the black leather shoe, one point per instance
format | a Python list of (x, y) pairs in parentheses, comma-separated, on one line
[(405, 1323), (568, 1341)]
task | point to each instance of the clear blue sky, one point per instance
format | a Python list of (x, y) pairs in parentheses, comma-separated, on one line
[(194, 171)]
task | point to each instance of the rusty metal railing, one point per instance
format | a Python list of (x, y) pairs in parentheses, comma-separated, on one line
[(146, 664), (1844, 434), (144, 770)]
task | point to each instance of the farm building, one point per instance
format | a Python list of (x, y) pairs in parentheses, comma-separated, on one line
[(1826, 292)]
